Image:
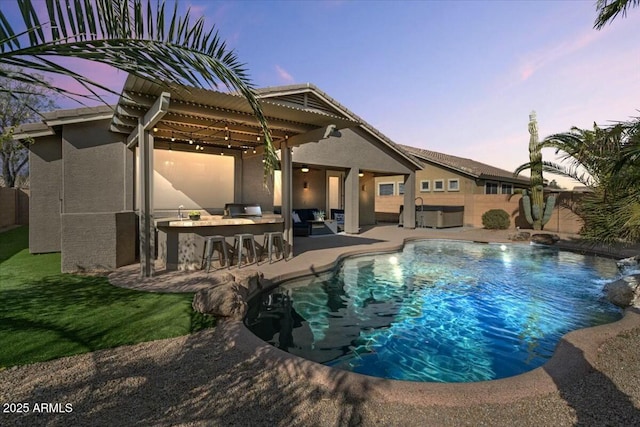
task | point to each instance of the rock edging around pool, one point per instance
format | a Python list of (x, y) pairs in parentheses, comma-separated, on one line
[(574, 358), (575, 355)]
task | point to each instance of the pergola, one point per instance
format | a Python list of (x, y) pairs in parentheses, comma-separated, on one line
[(216, 123)]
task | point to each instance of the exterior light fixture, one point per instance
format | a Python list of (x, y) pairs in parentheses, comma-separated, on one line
[(304, 169), (305, 185), (361, 174)]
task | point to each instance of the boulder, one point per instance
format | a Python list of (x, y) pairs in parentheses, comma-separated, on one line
[(226, 300), (625, 263), (545, 238), (251, 280), (624, 292), (520, 236)]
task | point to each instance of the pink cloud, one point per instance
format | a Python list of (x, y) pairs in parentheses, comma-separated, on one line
[(284, 75), (549, 54)]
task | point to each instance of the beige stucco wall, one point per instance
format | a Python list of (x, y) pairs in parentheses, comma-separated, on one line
[(563, 219)]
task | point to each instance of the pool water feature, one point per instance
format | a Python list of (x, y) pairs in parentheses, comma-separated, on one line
[(439, 311)]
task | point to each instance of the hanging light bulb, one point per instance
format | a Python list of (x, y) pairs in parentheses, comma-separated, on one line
[(173, 138), (198, 147)]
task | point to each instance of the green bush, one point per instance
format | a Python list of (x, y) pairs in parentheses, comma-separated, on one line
[(496, 219)]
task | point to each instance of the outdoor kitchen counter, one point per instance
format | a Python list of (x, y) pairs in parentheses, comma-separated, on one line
[(219, 220), (181, 243)]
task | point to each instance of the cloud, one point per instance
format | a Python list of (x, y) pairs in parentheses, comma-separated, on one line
[(284, 75), (534, 61)]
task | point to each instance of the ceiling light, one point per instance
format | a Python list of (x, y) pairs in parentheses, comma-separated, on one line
[(361, 174), (304, 168)]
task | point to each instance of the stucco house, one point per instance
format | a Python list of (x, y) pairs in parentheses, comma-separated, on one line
[(107, 183), (445, 180)]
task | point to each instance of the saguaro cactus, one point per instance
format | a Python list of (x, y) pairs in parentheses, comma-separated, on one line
[(537, 211)]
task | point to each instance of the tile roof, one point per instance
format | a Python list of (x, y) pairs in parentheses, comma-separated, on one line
[(461, 164)]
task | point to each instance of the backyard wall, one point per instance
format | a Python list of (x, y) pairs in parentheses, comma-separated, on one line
[(14, 206), (563, 220)]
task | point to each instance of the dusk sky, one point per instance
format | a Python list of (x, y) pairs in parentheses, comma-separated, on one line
[(459, 77)]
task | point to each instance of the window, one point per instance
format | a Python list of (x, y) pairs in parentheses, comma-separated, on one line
[(386, 189), (454, 185), (438, 185), (491, 188), (507, 189), (425, 186), (401, 188)]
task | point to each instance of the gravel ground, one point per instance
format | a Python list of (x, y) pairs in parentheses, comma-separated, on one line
[(203, 379)]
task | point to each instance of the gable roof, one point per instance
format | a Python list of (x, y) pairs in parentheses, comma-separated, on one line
[(466, 166), (309, 97)]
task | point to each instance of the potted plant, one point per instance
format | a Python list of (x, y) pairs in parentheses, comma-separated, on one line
[(194, 215), (319, 215)]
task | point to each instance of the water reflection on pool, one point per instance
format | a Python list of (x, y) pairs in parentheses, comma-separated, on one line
[(441, 311)]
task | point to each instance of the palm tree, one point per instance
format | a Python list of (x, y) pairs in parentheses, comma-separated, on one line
[(603, 159), (130, 35), (608, 10)]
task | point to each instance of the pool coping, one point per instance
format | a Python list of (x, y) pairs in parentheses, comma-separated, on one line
[(575, 356)]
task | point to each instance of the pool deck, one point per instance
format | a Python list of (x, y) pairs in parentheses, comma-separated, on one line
[(227, 376)]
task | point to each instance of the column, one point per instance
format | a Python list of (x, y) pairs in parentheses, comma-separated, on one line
[(409, 220), (287, 193), (352, 201)]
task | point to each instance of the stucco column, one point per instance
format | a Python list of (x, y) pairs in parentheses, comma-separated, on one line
[(286, 164), (352, 201), (409, 214), (147, 231)]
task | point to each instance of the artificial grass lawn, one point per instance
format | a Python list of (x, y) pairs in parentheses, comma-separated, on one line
[(45, 314)]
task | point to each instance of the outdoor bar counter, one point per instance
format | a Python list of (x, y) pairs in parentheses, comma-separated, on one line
[(181, 242)]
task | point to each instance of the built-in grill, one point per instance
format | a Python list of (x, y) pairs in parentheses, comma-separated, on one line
[(242, 210)]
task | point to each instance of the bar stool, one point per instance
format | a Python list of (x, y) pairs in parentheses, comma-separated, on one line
[(273, 240), (241, 241), (209, 247)]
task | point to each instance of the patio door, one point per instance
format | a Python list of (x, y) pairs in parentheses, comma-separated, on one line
[(335, 190)]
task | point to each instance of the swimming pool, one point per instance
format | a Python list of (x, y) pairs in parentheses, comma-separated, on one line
[(439, 311)]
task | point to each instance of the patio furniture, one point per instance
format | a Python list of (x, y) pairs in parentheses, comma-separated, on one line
[(302, 221), (244, 241), (274, 240), (210, 243)]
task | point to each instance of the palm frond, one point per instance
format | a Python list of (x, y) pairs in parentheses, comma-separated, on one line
[(608, 10), (133, 37)]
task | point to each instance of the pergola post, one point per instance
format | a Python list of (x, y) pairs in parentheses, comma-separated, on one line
[(144, 138), (287, 193), (145, 168)]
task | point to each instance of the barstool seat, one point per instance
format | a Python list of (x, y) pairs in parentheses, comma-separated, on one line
[(209, 247), (274, 240), (241, 241)]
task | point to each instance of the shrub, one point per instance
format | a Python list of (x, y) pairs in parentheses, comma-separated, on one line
[(496, 219)]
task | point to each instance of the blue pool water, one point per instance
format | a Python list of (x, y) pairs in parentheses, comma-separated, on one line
[(442, 311)]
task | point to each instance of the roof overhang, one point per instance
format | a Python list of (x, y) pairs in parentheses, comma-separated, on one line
[(215, 118), (52, 119)]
